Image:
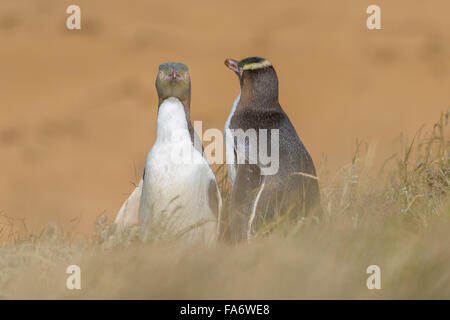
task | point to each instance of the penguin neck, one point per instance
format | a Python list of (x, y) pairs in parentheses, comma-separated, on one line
[(172, 121), (259, 91), (185, 101)]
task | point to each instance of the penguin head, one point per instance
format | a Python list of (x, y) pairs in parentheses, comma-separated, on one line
[(173, 80), (257, 77)]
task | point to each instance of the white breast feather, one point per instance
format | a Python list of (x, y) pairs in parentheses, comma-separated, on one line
[(229, 143), (175, 193)]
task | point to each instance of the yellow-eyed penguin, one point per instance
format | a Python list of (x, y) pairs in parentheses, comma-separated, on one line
[(178, 194), (259, 190)]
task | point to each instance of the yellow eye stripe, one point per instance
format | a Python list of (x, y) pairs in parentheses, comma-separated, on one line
[(257, 65)]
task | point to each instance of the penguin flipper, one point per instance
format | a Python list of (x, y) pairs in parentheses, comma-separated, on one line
[(128, 214), (247, 189), (144, 210), (196, 141)]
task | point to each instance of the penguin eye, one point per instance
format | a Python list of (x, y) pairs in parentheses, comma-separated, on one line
[(161, 75), (186, 76)]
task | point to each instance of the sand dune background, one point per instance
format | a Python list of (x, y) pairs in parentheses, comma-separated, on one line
[(78, 108)]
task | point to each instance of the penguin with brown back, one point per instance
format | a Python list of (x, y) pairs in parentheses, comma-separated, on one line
[(261, 190)]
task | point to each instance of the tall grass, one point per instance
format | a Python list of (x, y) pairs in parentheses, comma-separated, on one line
[(396, 216)]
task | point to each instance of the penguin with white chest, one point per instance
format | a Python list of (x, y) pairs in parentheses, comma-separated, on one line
[(179, 196), (257, 195)]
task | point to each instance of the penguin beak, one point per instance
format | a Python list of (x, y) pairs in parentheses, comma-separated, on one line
[(233, 65), (173, 75)]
